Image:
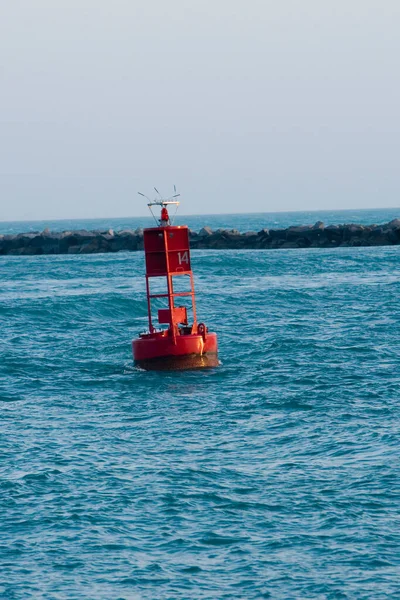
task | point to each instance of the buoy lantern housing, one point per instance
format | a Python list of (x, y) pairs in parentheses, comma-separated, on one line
[(183, 344)]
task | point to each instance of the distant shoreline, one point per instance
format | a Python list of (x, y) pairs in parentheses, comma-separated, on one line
[(128, 240)]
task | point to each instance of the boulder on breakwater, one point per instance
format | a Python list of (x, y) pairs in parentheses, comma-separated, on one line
[(306, 236)]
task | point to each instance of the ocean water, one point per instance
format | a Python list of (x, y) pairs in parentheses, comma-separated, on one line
[(274, 476), (241, 222)]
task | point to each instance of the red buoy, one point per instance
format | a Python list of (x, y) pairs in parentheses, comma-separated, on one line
[(185, 343)]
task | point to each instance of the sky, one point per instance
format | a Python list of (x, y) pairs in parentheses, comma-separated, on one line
[(247, 106)]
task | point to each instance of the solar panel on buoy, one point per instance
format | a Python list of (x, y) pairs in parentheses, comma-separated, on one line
[(185, 343)]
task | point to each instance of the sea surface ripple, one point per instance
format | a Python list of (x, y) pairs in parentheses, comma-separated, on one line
[(273, 476)]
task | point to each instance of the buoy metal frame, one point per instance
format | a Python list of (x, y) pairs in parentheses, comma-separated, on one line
[(182, 345)]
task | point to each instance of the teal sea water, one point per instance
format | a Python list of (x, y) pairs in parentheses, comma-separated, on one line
[(273, 476), (241, 222)]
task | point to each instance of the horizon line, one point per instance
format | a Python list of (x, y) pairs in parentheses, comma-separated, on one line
[(316, 210)]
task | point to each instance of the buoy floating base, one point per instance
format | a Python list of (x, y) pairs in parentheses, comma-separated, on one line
[(179, 363), (159, 351)]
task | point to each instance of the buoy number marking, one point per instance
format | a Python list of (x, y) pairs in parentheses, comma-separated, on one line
[(183, 258)]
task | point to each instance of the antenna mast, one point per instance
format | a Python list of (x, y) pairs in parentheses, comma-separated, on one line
[(163, 203)]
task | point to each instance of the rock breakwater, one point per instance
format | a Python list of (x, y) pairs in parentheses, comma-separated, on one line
[(307, 236)]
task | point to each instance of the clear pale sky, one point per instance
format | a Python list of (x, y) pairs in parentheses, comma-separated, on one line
[(246, 106)]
